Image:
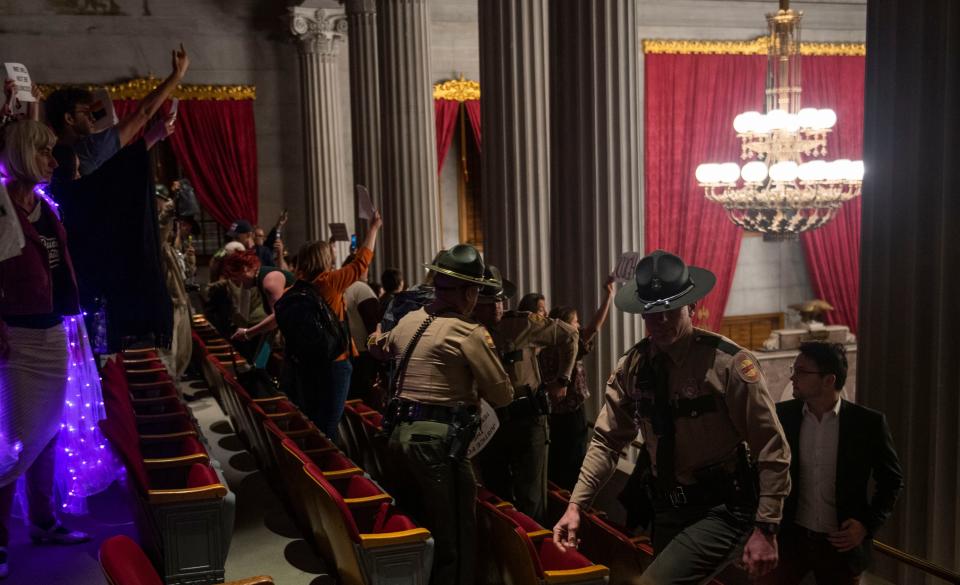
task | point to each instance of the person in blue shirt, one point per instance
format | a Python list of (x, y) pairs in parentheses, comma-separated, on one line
[(70, 114)]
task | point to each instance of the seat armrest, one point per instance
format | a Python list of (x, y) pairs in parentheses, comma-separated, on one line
[(261, 580), (178, 461), (207, 492), (370, 541), (592, 573)]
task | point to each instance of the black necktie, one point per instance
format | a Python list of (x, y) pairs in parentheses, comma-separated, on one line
[(663, 423)]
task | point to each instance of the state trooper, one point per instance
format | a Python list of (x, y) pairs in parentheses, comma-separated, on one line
[(447, 362), (514, 464), (714, 472)]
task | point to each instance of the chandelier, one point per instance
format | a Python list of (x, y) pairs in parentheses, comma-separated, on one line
[(782, 189)]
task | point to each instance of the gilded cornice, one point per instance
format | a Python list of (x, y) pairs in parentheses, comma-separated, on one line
[(757, 46), (458, 90), (136, 89)]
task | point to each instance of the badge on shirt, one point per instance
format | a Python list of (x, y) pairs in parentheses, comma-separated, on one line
[(488, 339), (748, 370), (689, 389)]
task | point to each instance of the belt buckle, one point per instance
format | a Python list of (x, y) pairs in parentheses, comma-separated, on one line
[(677, 497)]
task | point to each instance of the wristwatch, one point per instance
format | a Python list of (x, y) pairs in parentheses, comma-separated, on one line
[(768, 528)]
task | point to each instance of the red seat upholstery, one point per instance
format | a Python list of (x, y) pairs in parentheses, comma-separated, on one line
[(124, 563)]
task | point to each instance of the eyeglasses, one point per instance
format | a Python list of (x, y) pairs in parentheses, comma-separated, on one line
[(794, 370)]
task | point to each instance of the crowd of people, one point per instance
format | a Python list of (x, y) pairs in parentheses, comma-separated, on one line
[(725, 474)]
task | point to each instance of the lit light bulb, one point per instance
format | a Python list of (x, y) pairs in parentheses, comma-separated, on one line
[(707, 173), (728, 173), (754, 171), (807, 117), (813, 170), (829, 117), (834, 171), (855, 171), (783, 172), (778, 119), (748, 122)]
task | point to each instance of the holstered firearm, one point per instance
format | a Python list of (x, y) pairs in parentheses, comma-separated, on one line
[(735, 480), (462, 430), (636, 496)]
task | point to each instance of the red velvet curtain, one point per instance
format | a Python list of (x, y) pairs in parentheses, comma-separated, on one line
[(690, 103), (445, 115), (833, 251), (473, 113), (216, 144)]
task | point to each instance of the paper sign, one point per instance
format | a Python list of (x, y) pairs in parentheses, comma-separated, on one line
[(365, 207), (21, 77), (338, 232), (626, 266), (489, 423), (102, 111)]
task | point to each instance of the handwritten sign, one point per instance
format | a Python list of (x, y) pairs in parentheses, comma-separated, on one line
[(626, 266), (21, 78), (489, 423), (338, 232)]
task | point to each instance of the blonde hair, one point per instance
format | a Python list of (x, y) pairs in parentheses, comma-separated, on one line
[(315, 258), (18, 150)]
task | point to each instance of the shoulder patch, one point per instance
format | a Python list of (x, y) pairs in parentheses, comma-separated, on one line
[(536, 317), (747, 368), (488, 340)]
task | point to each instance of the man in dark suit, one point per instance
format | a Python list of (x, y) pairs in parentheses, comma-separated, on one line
[(830, 519)]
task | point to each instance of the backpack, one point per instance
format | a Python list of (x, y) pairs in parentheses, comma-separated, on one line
[(311, 330)]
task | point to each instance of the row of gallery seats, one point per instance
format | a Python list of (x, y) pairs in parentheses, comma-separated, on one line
[(183, 508)]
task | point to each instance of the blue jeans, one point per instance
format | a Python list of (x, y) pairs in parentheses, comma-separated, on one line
[(333, 395)]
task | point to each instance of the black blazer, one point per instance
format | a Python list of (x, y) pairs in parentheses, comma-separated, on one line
[(865, 449)]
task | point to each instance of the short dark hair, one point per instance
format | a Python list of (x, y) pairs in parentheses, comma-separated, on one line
[(529, 302), (564, 313), (391, 277), (62, 102), (831, 358)]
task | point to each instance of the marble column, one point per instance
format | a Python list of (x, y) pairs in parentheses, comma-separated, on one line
[(597, 202), (411, 231), (320, 33), (365, 110), (515, 175)]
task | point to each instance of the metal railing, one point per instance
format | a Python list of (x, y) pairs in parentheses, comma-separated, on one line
[(918, 563)]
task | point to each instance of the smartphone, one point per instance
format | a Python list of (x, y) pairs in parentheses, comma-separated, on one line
[(353, 243), (174, 104)]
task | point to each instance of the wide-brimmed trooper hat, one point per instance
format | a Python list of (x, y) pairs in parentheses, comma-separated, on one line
[(500, 288), (462, 262), (663, 282)]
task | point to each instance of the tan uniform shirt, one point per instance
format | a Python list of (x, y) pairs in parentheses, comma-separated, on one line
[(521, 335), (454, 361), (701, 365)]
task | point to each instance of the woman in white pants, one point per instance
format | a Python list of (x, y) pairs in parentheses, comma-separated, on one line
[(37, 287)]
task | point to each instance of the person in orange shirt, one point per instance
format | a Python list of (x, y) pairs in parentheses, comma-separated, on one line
[(323, 399)]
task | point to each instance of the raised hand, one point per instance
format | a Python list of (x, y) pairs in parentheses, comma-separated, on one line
[(181, 62)]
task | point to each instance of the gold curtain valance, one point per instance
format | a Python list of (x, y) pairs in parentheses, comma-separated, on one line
[(136, 89), (757, 46), (458, 90)]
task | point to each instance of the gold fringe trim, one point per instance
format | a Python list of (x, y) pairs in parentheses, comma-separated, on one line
[(458, 90), (757, 46), (136, 89)]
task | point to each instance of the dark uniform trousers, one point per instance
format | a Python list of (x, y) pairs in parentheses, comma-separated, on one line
[(514, 464), (446, 498)]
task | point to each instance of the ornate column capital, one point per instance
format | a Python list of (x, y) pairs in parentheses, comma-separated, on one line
[(319, 30)]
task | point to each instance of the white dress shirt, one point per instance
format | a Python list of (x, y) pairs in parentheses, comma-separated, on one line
[(817, 492)]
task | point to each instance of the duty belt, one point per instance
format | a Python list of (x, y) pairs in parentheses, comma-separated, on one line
[(411, 411), (527, 406)]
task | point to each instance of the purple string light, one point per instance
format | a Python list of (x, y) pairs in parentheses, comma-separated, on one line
[(85, 465)]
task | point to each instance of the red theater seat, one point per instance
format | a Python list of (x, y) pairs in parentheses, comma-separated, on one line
[(124, 563)]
